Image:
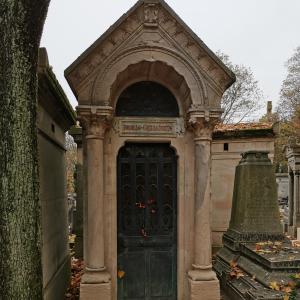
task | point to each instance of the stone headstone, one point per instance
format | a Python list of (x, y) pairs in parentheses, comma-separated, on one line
[(255, 212), (254, 242)]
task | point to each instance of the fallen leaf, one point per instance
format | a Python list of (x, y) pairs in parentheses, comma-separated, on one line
[(287, 289), (274, 286), (233, 264)]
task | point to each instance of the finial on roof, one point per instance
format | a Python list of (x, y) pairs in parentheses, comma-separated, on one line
[(269, 107), (269, 111)]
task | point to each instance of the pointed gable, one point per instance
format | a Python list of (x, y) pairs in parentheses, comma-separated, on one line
[(150, 23)]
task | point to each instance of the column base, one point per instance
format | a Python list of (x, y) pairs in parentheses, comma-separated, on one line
[(94, 276), (202, 273), (204, 290), (99, 291)]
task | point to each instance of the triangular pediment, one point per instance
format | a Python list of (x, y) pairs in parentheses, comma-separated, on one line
[(148, 23)]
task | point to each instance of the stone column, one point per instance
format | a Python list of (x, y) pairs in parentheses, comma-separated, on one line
[(296, 200), (95, 283), (204, 284), (291, 198)]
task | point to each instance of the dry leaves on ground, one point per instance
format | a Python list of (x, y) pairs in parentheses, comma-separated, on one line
[(76, 273), (286, 288), (235, 271)]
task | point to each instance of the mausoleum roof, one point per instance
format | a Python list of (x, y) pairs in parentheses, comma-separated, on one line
[(244, 130), (142, 16), (51, 95)]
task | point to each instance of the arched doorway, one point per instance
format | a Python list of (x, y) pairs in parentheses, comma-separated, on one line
[(147, 222)]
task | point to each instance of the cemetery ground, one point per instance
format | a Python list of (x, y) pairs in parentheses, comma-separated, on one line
[(77, 266), (289, 288)]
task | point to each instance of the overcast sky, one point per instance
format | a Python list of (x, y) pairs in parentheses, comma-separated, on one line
[(260, 34)]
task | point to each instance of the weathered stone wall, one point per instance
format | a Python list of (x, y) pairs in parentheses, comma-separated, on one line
[(55, 252), (222, 177), (55, 117), (282, 180)]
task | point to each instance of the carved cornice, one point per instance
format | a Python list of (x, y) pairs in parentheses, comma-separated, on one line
[(161, 18), (196, 49), (202, 121), (107, 44), (95, 120)]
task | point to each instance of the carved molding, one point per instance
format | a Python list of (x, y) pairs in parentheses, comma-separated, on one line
[(105, 48), (160, 19), (151, 14), (121, 61), (193, 49), (95, 120)]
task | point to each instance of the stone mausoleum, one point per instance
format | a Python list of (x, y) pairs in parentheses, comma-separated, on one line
[(149, 93)]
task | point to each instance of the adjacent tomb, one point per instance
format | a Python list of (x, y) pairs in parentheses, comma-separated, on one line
[(293, 156), (55, 117), (229, 141), (254, 243)]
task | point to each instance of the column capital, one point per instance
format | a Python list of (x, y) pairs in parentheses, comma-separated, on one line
[(202, 121), (95, 120)]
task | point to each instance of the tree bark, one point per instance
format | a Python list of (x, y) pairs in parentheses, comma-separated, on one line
[(21, 25)]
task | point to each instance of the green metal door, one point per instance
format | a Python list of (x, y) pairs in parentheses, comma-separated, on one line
[(147, 222)]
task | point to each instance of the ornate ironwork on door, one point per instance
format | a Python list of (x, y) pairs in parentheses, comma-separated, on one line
[(147, 223)]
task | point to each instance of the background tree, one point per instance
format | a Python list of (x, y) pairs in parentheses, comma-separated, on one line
[(288, 106), (288, 112), (21, 25), (243, 99)]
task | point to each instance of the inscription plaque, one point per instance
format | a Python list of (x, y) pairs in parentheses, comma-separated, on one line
[(159, 127)]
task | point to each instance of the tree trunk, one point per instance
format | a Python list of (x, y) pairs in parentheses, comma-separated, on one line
[(21, 25)]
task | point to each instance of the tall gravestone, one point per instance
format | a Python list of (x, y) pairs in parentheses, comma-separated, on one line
[(254, 243), (255, 214)]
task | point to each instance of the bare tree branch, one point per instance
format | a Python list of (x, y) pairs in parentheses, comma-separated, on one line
[(243, 98)]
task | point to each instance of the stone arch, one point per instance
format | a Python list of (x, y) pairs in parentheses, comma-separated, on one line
[(188, 88), (153, 71)]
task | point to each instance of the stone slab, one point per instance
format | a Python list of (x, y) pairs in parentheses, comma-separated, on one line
[(204, 290), (95, 291), (244, 287)]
